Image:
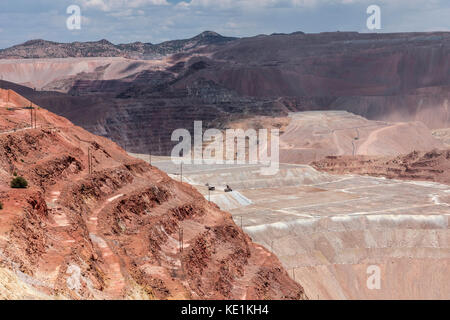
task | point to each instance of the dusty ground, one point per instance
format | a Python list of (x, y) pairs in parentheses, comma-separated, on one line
[(328, 229), (61, 74), (314, 135), (125, 230), (387, 77)]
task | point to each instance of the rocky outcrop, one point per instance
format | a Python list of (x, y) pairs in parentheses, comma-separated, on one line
[(426, 166)]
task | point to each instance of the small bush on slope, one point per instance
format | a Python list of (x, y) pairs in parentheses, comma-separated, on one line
[(19, 183)]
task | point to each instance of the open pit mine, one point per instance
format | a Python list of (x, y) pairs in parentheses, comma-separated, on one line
[(363, 181), (138, 94), (95, 223)]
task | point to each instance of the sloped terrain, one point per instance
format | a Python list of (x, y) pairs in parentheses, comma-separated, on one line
[(71, 75), (139, 96), (313, 135), (156, 112), (426, 166), (95, 223), (328, 229), (389, 77)]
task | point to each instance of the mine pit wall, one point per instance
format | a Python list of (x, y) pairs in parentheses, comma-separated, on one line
[(330, 256), (327, 230), (64, 204), (13, 98)]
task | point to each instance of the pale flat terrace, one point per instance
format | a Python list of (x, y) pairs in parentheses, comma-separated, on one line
[(327, 229)]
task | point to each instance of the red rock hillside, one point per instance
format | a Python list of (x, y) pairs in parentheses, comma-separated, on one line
[(114, 233)]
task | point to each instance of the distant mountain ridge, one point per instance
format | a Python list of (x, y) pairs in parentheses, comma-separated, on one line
[(39, 48), (393, 77)]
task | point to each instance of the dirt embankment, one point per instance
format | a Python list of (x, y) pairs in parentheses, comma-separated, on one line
[(114, 227), (424, 166)]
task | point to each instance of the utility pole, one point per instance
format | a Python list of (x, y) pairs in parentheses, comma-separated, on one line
[(33, 111), (90, 162), (181, 172), (181, 244), (31, 117), (150, 155), (180, 239), (354, 140)]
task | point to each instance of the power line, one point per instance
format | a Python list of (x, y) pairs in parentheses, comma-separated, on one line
[(181, 172), (90, 160), (180, 239), (35, 117), (181, 247)]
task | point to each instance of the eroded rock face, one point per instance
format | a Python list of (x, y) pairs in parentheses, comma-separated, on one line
[(426, 166), (114, 227)]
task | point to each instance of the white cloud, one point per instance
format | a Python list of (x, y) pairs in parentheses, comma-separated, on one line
[(157, 20), (228, 4), (115, 5)]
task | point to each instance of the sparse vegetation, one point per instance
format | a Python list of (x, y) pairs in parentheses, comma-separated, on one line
[(19, 183)]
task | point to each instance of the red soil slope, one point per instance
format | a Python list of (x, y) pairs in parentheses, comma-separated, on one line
[(115, 233)]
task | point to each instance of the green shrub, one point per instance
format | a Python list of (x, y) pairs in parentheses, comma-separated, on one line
[(1, 205), (15, 174), (19, 183)]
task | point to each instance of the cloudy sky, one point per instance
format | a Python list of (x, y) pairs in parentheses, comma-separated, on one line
[(122, 21)]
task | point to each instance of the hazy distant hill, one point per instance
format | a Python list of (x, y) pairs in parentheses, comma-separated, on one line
[(47, 49)]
